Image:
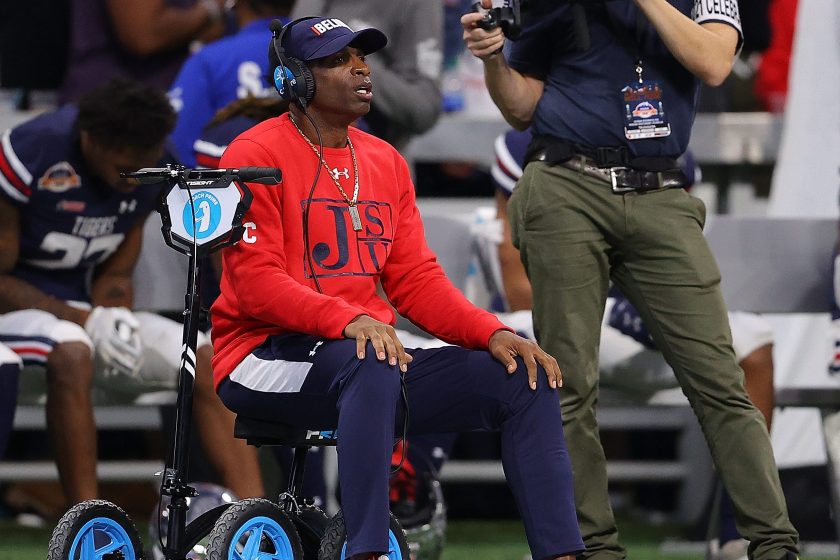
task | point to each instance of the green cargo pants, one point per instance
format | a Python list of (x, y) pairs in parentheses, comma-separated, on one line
[(574, 235)]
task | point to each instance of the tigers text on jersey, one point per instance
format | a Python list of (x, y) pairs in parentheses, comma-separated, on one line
[(267, 281), (70, 221)]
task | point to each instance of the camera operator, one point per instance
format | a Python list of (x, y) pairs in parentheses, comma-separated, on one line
[(609, 89)]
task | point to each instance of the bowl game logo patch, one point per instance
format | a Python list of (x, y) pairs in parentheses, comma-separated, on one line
[(60, 178)]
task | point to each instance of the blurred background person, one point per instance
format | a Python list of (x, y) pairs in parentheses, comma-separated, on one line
[(144, 40), (407, 71), (233, 67), (463, 93), (70, 235), (771, 81)]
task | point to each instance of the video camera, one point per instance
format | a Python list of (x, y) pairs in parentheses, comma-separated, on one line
[(508, 17)]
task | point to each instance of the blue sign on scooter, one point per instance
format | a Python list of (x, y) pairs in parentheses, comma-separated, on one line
[(208, 214)]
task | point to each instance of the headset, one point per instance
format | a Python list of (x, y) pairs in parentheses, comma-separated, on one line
[(292, 77), (295, 83)]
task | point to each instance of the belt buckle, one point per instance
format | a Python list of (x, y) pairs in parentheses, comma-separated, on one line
[(614, 181)]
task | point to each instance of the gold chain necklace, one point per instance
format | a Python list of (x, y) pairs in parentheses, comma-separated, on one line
[(351, 202)]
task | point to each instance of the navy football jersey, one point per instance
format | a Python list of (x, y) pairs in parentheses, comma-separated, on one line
[(510, 149), (70, 220), (210, 146)]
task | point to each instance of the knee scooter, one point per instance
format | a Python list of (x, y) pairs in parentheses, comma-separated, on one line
[(202, 212)]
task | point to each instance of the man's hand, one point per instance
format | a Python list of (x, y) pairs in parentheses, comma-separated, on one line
[(505, 345), (382, 336), (115, 333), (483, 44)]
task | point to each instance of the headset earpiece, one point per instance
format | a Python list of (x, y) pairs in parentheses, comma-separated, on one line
[(292, 77), (294, 81)]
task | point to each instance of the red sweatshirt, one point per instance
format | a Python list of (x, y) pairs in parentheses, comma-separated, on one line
[(267, 287)]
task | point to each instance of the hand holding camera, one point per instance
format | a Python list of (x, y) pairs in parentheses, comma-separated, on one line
[(507, 17), (483, 42)]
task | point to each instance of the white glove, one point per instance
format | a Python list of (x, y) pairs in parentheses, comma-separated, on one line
[(115, 333)]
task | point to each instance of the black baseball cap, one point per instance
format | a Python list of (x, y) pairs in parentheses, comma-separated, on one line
[(317, 37)]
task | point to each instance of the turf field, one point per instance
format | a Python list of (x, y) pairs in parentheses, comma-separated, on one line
[(467, 540)]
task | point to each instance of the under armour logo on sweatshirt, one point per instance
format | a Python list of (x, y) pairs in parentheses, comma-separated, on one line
[(336, 173)]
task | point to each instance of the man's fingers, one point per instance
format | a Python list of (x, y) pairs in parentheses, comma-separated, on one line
[(484, 41), (552, 370), (391, 349), (402, 357), (508, 359), (471, 18), (493, 38), (361, 342), (486, 47), (378, 345), (558, 373), (531, 366), (386, 345)]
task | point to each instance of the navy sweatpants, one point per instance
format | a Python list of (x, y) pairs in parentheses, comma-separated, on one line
[(321, 384)]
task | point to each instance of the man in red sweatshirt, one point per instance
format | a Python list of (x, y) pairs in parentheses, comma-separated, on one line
[(302, 335)]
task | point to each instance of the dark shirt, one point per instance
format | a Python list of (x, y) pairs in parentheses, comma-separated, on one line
[(582, 101)]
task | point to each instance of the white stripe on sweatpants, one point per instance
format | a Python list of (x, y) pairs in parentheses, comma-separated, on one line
[(270, 376)]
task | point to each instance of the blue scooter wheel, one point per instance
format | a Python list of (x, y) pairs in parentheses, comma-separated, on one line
[(254, 529), (95, 530), (334, 543)]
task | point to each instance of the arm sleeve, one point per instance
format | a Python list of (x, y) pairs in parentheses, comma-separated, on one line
[(190, 96), (407, 87), (257, 272), (16, 179), (724, 11), (417, 286), (532, 53)]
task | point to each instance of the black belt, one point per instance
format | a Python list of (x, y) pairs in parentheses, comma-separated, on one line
[(622, 179)]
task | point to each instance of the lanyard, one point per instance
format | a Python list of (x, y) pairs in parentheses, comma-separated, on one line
[(631, 41)]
